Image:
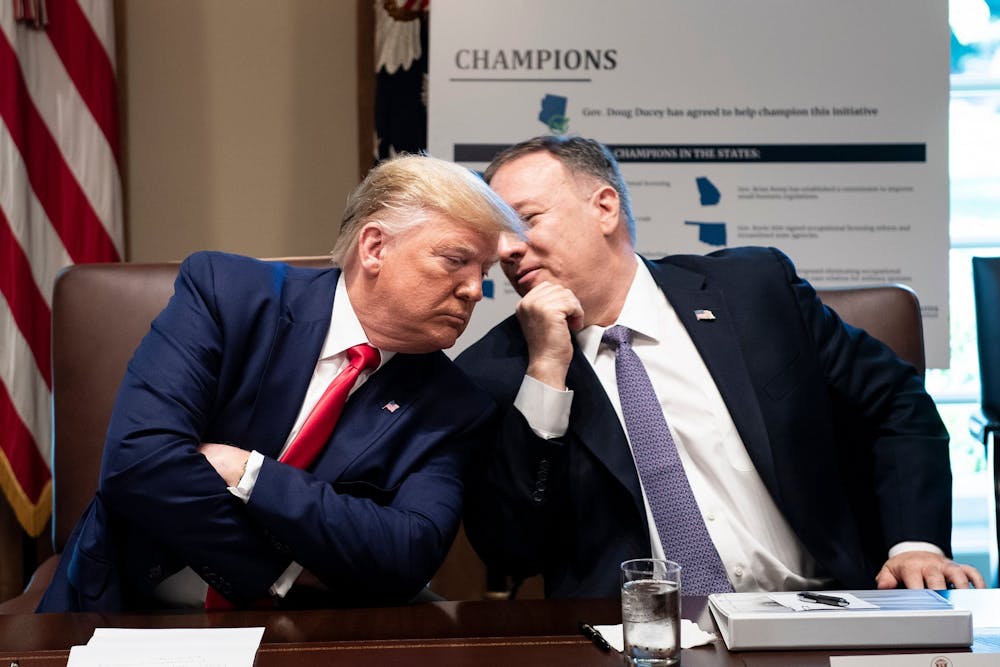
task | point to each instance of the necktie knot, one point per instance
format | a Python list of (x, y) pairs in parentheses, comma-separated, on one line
[(363, 357), (617, 336)]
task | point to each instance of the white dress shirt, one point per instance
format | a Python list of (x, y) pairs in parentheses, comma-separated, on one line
[(758, 548)]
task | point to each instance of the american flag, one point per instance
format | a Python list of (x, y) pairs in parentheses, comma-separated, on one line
[(60, 204)]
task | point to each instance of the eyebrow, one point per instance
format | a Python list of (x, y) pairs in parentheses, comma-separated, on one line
[(521, 203), (463, 248), (467, 251)]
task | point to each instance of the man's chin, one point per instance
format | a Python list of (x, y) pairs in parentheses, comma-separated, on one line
[(444, 340), (449, 341), (520, 288)]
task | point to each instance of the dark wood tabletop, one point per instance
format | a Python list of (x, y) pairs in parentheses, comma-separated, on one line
[(524, 633)]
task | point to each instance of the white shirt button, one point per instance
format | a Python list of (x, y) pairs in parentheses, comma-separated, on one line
[(738, 571), (710, 516)]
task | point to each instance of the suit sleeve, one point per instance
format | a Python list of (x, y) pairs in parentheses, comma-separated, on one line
[(517, 485), (152, 474), (368, 543), (883, 402)]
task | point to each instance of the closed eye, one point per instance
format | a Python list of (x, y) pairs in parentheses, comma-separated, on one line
[(454, 262)]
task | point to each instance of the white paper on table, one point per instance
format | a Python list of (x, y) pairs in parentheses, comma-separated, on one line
[(691, 635), (795, 603), (134, 655), (171, 647)]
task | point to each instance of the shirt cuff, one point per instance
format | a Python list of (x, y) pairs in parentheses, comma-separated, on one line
[(545, 408), (903, 547), (284, 583), (249, 478)]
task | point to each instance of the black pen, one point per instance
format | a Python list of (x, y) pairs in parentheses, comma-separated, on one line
[(831, 600), (591, 633)]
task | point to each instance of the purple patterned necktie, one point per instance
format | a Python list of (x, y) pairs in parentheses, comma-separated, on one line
[(678, 520)]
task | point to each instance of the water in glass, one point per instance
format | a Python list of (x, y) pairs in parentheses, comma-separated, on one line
[(650, 616)]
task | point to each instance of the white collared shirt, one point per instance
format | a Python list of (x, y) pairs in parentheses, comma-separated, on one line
[(333, 356), (756, 544), (332, 360)]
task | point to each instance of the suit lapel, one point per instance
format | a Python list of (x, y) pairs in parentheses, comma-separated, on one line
[(720, 348), (595, 423), (366, 417), (299, 335)]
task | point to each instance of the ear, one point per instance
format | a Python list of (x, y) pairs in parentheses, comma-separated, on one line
[(372, 241), (605, 199)]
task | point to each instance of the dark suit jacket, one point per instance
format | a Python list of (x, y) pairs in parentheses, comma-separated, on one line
[(229, 360), (841, 431)]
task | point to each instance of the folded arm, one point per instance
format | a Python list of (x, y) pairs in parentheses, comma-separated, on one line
[(152, 472)]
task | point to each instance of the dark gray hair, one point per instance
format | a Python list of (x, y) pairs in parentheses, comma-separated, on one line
[(579, 155)]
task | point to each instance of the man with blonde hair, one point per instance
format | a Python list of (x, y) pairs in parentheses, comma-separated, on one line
[(297, 434)]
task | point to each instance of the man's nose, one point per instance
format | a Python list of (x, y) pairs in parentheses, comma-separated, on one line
[(511, 247), (471, 289)]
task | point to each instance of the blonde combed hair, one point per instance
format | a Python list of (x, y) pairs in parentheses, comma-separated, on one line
[(398, 193)]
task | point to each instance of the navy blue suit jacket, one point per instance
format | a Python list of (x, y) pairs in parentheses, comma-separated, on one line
[(840, 430), (229, 360)]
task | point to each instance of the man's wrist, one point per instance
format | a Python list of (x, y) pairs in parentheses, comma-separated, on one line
[(544, 408), (548, 373), (251, 469), (903, 547)]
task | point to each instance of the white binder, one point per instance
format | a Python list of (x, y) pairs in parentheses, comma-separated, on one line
[(900, 618)]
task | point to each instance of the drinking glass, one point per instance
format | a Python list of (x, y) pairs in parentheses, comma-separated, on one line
[(651, 612)]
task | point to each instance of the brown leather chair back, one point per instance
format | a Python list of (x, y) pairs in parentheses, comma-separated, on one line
[(100, 312), (890, 313)]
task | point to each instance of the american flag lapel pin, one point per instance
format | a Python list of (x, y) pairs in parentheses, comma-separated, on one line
[(704, 315), (391, 406)]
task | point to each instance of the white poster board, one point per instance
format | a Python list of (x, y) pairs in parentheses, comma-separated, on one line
[(816, 127)]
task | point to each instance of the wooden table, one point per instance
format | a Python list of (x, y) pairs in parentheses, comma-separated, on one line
[(524, 633)]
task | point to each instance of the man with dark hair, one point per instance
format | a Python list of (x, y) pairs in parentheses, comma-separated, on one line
[(708, 409)]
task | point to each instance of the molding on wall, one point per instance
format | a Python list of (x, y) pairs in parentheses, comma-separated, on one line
[(366, 85)]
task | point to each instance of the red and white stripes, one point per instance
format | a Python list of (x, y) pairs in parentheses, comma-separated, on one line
[(60, 204)]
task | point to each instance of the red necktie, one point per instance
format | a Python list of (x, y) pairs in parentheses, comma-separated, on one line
[(316, 430), (318, 426)]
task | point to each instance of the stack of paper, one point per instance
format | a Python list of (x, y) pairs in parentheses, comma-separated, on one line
[(181, 647), (869, 619)]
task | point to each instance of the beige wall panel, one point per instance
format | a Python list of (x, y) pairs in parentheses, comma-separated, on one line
[(242, 125)]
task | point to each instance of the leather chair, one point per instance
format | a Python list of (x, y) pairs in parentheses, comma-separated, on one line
[(985, 422), (100, 312), (890, 313)]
